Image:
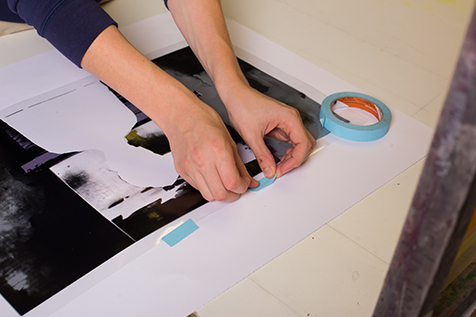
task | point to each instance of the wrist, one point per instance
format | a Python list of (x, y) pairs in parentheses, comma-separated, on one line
[(232, 90)]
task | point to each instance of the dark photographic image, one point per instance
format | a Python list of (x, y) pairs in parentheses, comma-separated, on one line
[(65, 209)]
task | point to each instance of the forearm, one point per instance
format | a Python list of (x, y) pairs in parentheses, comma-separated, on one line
[(113, 60), (252, 114), (203, 26), (203, 151)]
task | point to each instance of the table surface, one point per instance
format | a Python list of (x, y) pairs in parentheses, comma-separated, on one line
[(401, 52)]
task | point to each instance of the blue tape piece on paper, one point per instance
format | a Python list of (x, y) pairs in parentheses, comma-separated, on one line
[(350, 131), (180, 233), (264, 182)]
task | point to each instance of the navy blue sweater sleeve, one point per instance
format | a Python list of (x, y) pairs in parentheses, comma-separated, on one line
[(70, 25), (7, 15)]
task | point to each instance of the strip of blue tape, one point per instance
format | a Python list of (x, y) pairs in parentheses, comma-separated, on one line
[(350, 131), (180, 233), (264, 182)]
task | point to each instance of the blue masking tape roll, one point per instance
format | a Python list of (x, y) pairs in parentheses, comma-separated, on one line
[(351, 131), (264, 182), (180, 233)]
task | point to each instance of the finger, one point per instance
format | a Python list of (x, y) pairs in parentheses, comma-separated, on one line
[(232, 172), (208, 177), (251, 182), (211, 187), (263, 156), (199, 184), (218, 189), (296, 154), (193, 179)]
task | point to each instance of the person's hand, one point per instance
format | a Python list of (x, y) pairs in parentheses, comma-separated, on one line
[(206, 156), (255, 115)]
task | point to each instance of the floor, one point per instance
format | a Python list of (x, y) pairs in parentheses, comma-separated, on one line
[(401, 52)]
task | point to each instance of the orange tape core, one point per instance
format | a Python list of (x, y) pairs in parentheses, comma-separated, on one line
[(356, 102)]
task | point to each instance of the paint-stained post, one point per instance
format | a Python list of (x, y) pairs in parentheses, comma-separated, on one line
[(443, 202)]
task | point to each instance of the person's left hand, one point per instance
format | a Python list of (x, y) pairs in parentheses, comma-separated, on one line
[(255, 115)]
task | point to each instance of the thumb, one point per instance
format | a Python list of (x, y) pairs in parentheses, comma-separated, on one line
[(264, 157)]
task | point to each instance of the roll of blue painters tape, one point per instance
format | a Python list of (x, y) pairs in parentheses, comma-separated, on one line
[(354, 132)]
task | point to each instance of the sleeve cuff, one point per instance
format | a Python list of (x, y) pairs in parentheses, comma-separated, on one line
[(72, 25)]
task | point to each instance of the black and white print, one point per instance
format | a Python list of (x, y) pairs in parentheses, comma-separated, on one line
[(84, 174)]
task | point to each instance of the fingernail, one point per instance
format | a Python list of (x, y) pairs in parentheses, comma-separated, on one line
[(268, 172)]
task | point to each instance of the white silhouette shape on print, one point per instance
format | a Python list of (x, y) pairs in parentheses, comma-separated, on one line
[(91, 117)]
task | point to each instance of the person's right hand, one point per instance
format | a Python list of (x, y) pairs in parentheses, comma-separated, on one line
[(255, 115), (206, 156)]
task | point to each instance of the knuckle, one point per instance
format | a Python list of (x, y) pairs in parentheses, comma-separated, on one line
[(262, 159), (195, 155), (231, 183), (294, 112), (220, 145), (208, 197), (310, 143), (221, 195)]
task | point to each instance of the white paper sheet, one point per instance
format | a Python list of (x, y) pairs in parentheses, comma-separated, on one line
[(242, 236)]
